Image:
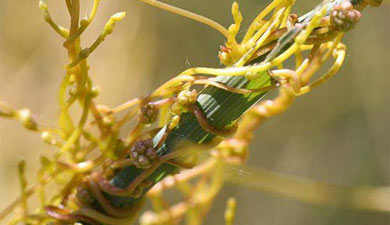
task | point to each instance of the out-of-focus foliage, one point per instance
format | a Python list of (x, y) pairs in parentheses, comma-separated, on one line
[(338, 134)]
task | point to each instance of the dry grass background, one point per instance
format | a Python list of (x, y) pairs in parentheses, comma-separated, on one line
[(339, 133)]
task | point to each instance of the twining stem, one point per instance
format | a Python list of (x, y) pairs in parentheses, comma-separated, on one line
[(220, 107)]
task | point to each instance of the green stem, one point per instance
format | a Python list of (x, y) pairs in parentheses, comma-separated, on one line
[(221, 107)]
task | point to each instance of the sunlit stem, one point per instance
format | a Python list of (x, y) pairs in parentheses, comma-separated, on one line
[(23, 186), (230, 211), (340, 56), (108, 29), (85, 22), (63, 32), (265, 32), (253, 27), (126, 105), (188, 14), (78, 130)]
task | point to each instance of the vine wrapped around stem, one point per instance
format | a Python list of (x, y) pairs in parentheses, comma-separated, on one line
[(111, 188)]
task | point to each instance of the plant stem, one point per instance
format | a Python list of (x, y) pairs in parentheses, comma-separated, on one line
[(221, 108)]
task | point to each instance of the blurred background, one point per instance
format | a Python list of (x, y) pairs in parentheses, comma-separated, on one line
[(338, 134)]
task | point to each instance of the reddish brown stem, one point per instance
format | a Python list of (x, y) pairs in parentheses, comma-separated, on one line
[(66, 216), (204, 123)]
